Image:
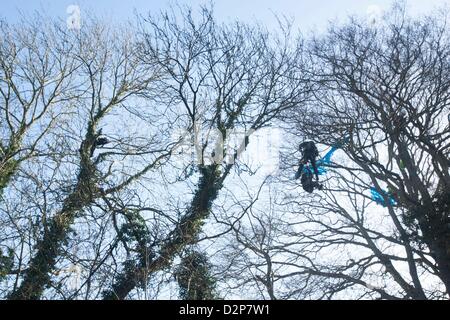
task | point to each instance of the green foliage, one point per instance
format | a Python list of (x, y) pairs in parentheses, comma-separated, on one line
[(431, 223), (123, 280), (6, 263), (7, 170), (194, 277), (135, 228), (207, 190)]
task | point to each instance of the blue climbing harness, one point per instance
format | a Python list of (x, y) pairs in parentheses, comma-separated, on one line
[(322, 162)]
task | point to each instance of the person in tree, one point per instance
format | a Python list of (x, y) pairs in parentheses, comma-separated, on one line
[(399, 121), (309, 153), (307, 181), (98, 142)]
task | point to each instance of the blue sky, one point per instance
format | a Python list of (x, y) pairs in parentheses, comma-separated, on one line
[(307, 13)]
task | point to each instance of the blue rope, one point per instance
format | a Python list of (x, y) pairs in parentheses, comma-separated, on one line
[(326, 160), (379, 199)]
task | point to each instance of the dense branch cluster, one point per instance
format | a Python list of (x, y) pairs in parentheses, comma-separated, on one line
[(96, 184)]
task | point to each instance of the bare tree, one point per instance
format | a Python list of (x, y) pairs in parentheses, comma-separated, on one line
[(108, 75), (221, 78), (382, 95), (35, 74), (100, 200)]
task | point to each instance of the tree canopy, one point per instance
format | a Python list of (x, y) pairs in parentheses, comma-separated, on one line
[(132, 161)]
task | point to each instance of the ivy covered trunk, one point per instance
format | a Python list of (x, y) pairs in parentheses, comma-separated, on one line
[(186, 233), (38, 275), (194, 277), (436, 233), (8, 164), (7, 170)]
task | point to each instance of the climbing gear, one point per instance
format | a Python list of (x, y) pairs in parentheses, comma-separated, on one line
[(377, 196)]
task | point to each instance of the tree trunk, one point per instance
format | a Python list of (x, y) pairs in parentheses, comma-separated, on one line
[(184, 234)]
